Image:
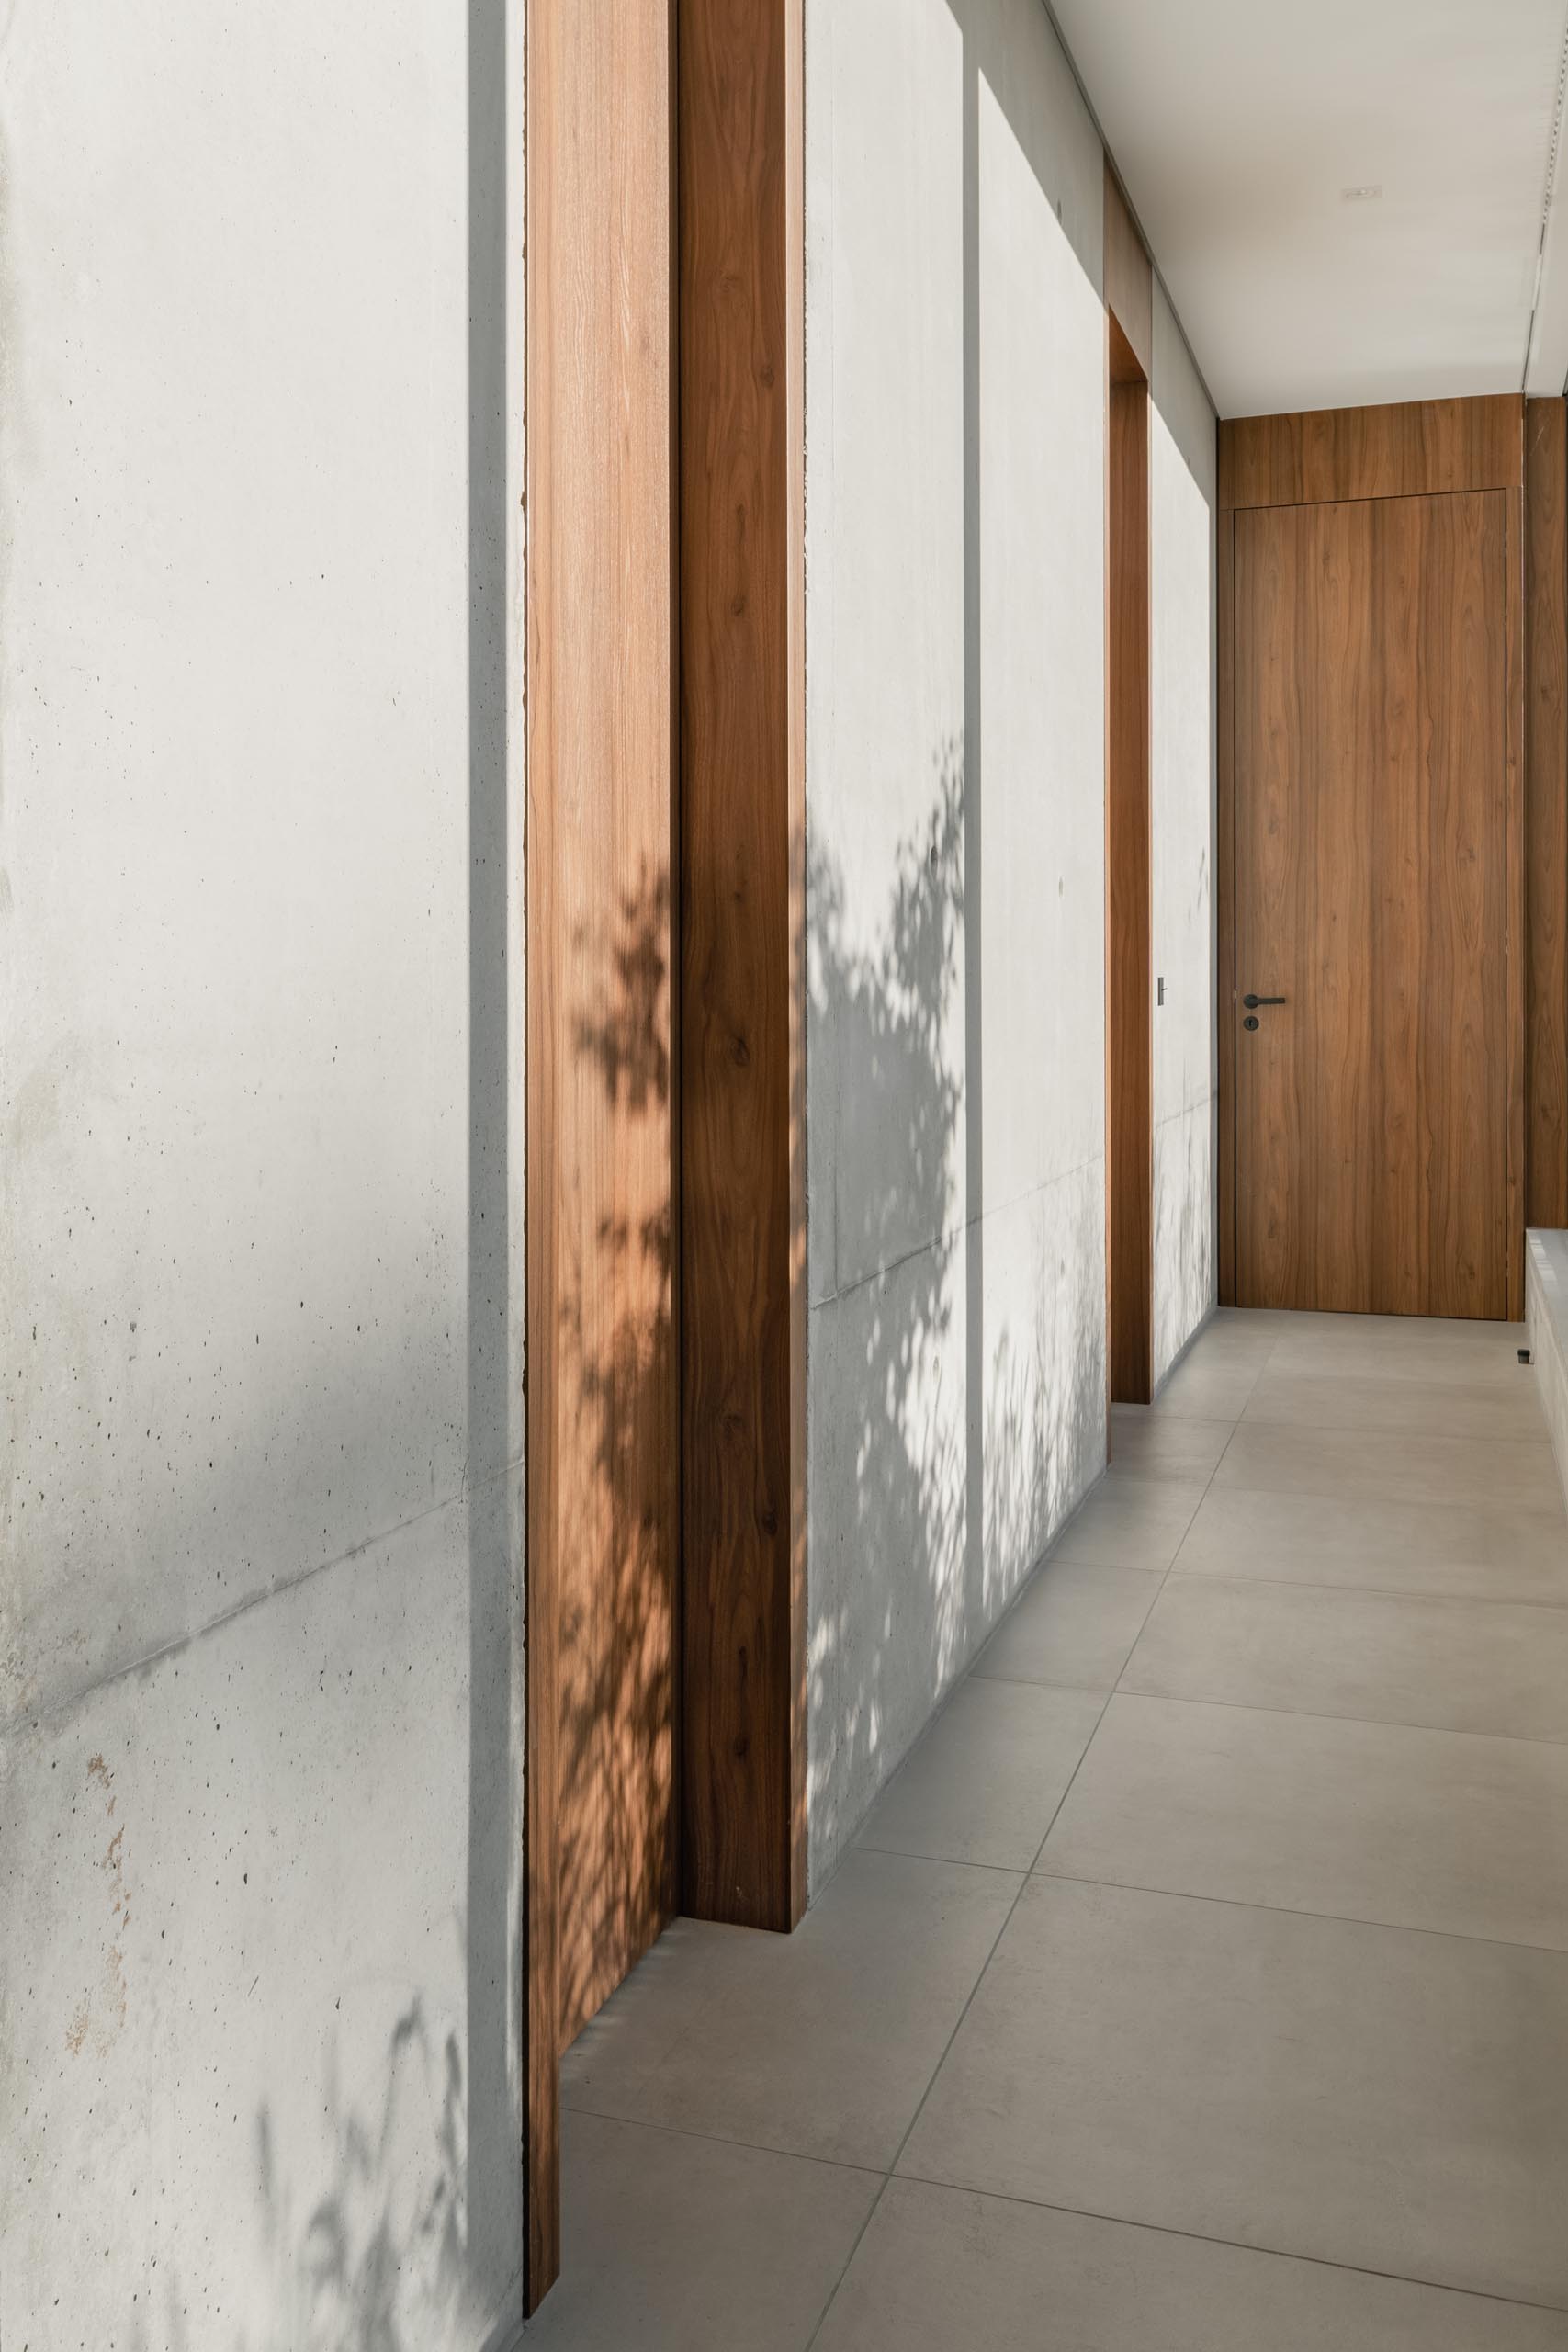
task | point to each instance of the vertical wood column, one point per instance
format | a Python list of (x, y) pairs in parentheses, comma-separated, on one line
[(1546, 810), (601, 1872), (1129, 885), (742, 848), (1129, 919)]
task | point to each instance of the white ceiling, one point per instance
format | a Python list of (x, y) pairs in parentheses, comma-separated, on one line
[(1238, 125)]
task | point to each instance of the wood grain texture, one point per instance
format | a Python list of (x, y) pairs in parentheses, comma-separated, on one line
[(797, 1828), (1224, 901), (1409, 448), (1129, 276), (1129, 930), (602, 1828), (742, 846), (1546, 810), (1515, 940), (1371, 881)]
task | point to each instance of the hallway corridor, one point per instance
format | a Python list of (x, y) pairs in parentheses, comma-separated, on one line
[(1201, 1982)]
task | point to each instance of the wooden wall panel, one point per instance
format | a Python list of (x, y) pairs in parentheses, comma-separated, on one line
[(1546, 810), (1128, 882), (1129, 275), (1409, 449), (600, 1812), (1517, 945), (743, 836)]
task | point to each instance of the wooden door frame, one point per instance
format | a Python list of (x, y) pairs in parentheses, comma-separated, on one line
[(1417, 448), (736, 710)]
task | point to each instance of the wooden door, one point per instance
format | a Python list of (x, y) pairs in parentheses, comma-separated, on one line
[(1370, 765)]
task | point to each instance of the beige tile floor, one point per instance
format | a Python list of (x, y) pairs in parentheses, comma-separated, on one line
[(1201, 1982)]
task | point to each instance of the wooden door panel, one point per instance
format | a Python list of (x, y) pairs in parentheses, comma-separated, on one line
[(1370, 864)]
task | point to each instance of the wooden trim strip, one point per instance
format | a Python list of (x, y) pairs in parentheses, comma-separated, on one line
[(1517, 939), (1130, 947), (797, 1826), (1546, 810)]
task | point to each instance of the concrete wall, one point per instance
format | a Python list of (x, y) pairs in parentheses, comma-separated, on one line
[(955, 724), (1182, 510), (955, 459), (259, 1775)]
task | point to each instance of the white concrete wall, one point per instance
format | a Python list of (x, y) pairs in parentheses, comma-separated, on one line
[(1183, 464), (259, 1780), (956, 455), (1546, 1312)]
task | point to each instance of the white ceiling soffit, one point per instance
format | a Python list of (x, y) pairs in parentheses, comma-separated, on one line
[(1347, 198)]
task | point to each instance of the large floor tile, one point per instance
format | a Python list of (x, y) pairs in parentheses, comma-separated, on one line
[(1131, 1522), (1452, 1665), (821, 2042), (1149, 1444), (941, 2268), (1379, 1465), (982, 1784), (1411, 1348), (1238, 1328), (680, 2244), (1387, 1401), (1437, 1829), (1362, 2095), (1204, 1388), (1491, 1552), (1073, 1624)]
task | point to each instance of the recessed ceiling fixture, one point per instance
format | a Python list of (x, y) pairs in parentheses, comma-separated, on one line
[(1359, 194)]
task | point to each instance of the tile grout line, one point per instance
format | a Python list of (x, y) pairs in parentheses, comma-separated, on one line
[(1294, 1911), (1374, 1591), (1317, 1714), (1240, 2245), (1311, 1716), (718, 2140)]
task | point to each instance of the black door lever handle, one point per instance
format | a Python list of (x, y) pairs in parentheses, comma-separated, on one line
[(1251, 1002)]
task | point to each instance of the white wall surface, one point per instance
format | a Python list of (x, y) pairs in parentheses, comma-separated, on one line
[(258, 1561), (1183, 461), (956, 455)]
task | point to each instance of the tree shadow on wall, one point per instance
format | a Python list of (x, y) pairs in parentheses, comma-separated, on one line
[(374, 2262), (938, 1476), (887, 1420), (369, 2225)]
